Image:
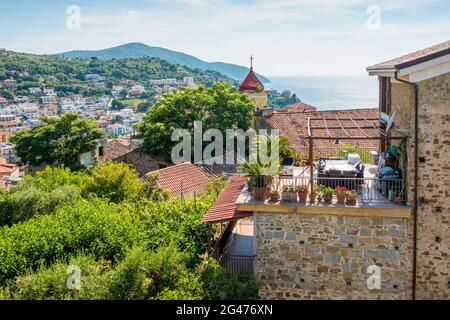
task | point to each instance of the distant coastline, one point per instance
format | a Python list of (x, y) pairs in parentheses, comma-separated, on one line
[(330, 93)]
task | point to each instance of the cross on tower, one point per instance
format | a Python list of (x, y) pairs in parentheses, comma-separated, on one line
[(251, 61)]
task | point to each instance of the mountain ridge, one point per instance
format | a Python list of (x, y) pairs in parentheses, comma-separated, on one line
[(139, 50)]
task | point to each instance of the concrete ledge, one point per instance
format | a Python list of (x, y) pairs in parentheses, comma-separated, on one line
[(339, 210)]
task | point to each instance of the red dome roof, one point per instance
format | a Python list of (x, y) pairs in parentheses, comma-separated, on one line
[(251, 83)]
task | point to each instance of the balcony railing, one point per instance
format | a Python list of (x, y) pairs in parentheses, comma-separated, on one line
[(335, 152), (368, 190)]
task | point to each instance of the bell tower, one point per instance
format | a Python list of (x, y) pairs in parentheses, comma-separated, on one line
[(254, 88)]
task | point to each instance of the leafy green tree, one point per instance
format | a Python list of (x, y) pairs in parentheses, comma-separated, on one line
[(219, 107), (57, 140), (144, 106), (114, 181)]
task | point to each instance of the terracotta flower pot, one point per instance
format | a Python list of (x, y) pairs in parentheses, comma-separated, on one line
[(340, 198), (303, 197), (274, 197), (327, 198), (351, 200), (260, 193)]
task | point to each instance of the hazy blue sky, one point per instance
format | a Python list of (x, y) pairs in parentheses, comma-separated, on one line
[(287, 37)]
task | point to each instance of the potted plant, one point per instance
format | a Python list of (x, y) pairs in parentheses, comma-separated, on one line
[(261, 177), (302, 193), (260, 186), (327, 194), (350, 197), (314, 193), (289, 194), (274, 196), (340, 193)]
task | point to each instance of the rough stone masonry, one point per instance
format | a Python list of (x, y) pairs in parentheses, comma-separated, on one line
[(326, 256)]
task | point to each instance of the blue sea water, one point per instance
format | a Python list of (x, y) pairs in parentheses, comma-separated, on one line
[(331, 93)]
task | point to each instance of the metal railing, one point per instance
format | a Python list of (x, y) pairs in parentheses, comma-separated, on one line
[(234, 265), (368, 190), (337, 151)]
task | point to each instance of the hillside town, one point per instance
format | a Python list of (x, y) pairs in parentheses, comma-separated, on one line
[(25, 111), (359, 191)]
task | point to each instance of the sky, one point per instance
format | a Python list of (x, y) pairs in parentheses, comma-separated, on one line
[(286, 37)]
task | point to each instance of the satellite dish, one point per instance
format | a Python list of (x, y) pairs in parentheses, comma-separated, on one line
[(391, 122), (384, 118)]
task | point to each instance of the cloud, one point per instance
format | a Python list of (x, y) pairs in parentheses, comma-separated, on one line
[(286, 36)]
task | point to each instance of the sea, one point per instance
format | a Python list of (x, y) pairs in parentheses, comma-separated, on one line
[(330, 93)]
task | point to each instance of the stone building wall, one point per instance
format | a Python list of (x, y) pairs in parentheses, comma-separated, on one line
[(433, 241), (433, 261), (326, 256), (142, 162)]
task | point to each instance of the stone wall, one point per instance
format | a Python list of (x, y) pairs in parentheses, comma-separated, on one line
[(433, 263), (142, 162), (326, 256)]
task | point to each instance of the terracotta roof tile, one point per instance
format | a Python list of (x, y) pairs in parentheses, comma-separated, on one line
[(224, 209), (251, 83), (298, 106), (414, 58), (115, 149), (182, 178)]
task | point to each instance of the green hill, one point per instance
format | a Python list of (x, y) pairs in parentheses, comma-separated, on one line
[(138, 50), (68, 75)]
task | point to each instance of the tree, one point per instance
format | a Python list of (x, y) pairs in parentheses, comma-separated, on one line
[(57, 140), (115, 181), (219, 107)]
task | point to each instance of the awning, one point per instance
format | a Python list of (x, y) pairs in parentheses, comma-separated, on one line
[(224, 209)]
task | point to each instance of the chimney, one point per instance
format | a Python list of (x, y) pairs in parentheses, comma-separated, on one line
[(267, 112)]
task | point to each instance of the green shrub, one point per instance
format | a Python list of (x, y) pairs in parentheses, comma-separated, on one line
[(97, 227), (23, 204), (52, 178), (129, 279), (162, 274), (51, 283), (218, 285), (175, 221), (114, 181)]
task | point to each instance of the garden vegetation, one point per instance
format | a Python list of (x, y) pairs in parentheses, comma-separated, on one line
[(126, 244)]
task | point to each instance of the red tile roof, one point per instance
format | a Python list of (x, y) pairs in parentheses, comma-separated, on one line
[(414, 58), (251, 83), (183, 178), (224, 209), (298, 106), (115, 149), (294, 125)]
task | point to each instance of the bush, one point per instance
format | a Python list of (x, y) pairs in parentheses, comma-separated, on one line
[(154, 275), (25, 203), (52, 178), (129, 280), (115, 181), (218, 285), (51, 283), (97, 227), (174, 221)]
